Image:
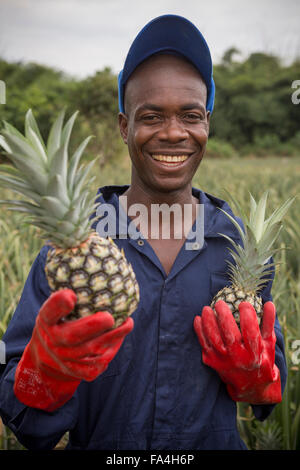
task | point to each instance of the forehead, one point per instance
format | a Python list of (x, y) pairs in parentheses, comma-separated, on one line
[(164, 78)]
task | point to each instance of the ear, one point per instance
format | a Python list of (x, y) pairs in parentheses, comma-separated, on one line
[(208, 119), (123, 125), (208, 116)]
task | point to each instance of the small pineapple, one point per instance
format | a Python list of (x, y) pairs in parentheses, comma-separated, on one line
[(249, 272), (58, 200)]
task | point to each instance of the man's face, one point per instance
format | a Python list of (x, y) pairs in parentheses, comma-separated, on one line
[(166, 124)]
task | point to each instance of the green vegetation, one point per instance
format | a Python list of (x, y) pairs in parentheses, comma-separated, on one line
[(253, 115)]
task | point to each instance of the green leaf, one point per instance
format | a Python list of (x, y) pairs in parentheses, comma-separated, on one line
[(57, 188), (15, 207), (65, 227), (279, 213), (21, 147), (235, 223), (10, 170), (74, 161), (67, 130), (259, 217), (5, 145), (30, 123), (12, 130), (59, 164), (19, 204), (50, 221), (269, 238), (19, 186), (82, 176), (238, 207), (54, 206), (38, 147), (29, 167), (72, 212), (253, 206), (54, 137)]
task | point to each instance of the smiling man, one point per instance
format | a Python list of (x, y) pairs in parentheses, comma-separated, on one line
[(164, 379), (165, 126)]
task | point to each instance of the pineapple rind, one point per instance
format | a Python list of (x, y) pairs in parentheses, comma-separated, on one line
[(233, 296), (108, 283)]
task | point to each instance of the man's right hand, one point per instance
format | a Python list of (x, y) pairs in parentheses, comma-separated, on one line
[(60, 355)]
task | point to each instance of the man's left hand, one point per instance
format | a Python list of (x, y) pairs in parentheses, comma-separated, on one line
[(245, 358)]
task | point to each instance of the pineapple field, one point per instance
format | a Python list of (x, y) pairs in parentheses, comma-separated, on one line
[(20, 244)]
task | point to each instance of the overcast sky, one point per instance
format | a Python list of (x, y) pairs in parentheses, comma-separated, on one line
[(82, 36)]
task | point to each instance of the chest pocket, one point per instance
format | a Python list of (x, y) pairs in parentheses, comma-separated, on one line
[(218, 280)]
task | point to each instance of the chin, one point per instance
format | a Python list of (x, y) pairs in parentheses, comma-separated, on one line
[(169, 186)]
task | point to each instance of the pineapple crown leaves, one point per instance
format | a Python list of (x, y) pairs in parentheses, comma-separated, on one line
[(56, 187), (251, 266)]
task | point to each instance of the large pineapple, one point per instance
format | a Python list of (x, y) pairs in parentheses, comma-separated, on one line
[(250, 268), (58, 199)]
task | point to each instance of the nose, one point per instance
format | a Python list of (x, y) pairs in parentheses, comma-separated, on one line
[(173, 131)]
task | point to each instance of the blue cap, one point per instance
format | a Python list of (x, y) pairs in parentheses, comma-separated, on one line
[(171, 34)]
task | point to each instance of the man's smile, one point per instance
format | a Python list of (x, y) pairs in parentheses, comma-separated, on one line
[(169, 160)]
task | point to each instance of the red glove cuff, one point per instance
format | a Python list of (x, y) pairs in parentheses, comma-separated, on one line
[(37, 389)]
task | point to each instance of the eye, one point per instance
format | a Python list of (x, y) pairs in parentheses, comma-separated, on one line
[(193, 117), (150, 118)]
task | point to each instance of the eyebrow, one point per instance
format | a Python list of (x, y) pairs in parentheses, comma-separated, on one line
[(185, 107), (149, 106), (188, 106)]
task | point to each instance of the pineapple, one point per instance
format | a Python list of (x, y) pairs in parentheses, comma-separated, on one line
[(249, 272), (57, 200)]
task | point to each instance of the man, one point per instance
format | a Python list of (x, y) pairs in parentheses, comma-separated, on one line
[(162, 380)]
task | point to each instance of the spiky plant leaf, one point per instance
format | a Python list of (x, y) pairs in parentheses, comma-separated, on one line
[(279, 213), (250, 268), (268, 436), (74, 163), (54, 138), (37, 145), (57, 188), (53, 206), (67, 129), (258, 238), (30, 123), (259, 217), (12, 130)]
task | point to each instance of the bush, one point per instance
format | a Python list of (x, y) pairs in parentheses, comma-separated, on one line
[(217, 148)]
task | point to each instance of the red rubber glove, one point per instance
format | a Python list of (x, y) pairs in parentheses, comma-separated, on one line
[(245, 360), (60, 355)]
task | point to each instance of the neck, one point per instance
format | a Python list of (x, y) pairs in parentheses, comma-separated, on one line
[(138, 194), (148, 198)]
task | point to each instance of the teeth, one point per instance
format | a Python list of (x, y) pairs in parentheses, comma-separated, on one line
[(170, 158)]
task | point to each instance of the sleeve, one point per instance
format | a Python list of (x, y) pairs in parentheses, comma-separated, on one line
[(261, 412), (35, 429)]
